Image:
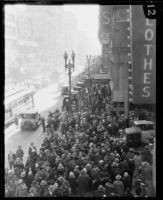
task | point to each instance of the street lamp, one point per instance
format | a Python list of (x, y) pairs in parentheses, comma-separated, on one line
[(69, 66), (88, 62)]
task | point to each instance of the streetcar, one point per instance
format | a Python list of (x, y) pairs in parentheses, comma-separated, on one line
[(16, 101)]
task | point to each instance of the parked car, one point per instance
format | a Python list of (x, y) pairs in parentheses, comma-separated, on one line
[(147, 130), (133, 136)]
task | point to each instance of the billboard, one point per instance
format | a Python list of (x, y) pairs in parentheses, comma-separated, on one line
[(143, 57)]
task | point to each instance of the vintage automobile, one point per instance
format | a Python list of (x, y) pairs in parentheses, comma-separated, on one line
[(30, 119), (147, 130), (133, 136)]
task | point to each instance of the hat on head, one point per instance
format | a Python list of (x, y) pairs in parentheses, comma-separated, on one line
[(10, 171), (112, 154), (125, 174), (118, 177), (108, 184), (88, 165), (71, 174), (23, 174), (145, 163), (101, 161), (55, 186), (117, 155), (43, 182), (142, 184), (77, 166), (32, 189), (114, 164), (96, 169), (60, 179), (20, 181), (23, 186), (36, 165), (51, 188), (60, 166), (131, 150), (84, 170), (100, 187), (116, 160)]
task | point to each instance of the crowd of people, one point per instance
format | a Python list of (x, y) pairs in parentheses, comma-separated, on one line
[(86, 156)]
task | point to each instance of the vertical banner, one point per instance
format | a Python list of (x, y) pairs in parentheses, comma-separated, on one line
[(104, 34), (105, 27), (143, 57)]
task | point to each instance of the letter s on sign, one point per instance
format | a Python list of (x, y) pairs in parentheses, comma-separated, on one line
[(106, 17), (146, 92)]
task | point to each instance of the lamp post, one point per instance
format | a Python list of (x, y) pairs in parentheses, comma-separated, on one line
[(88, 62), (69, 66)]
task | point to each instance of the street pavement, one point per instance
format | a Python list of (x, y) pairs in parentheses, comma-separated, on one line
[(46, 99)]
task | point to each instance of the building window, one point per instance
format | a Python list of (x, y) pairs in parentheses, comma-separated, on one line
[(10, 18), (10, 31)]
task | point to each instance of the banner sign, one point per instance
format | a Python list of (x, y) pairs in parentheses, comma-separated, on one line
[(143, 57)]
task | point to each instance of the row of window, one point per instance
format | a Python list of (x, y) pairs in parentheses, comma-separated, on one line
[(20, 102), (10, 18)]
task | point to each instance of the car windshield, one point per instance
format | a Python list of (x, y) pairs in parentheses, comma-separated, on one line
[(146, 127), (28, 116)]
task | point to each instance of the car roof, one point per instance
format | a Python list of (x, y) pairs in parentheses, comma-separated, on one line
[(31, 111), (142, 122), (132, 130)]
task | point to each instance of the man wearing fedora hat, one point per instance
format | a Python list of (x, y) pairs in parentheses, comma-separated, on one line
[(19, 153), (118, 186), (126, 181), (83, 182), (44, 188), (21, 190)]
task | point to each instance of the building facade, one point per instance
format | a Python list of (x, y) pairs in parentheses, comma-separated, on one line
[(116, 51), (128, 47)]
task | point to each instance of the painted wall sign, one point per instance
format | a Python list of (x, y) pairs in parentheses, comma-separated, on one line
[(105, 17), (144, 57)]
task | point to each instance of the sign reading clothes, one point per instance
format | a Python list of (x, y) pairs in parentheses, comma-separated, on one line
[(143, 57)]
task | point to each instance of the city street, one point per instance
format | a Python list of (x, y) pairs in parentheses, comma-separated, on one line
[(88, 74), (45, 99)]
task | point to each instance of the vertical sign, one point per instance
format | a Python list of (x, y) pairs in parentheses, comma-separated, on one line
[(105, 24), (144, 57)]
